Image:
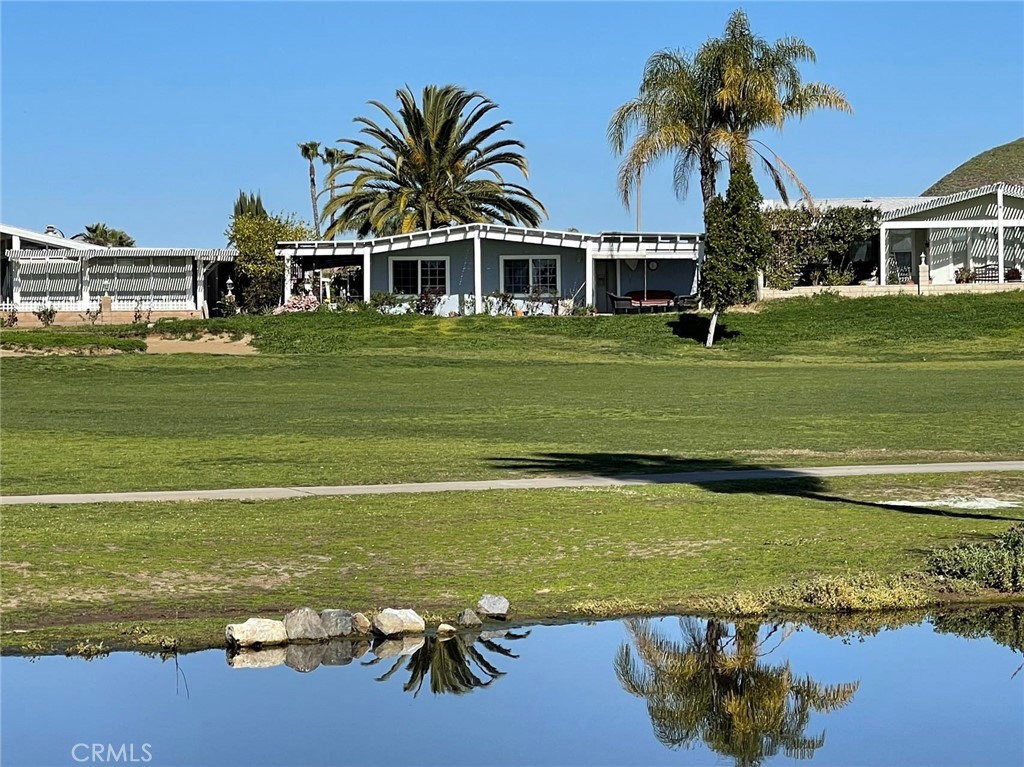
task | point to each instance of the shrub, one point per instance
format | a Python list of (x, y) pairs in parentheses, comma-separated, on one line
[(1012, 274), (998, 565), (307, 303), (964, 275), (46, 315), (384, 302), (11, 320), (426, 302)]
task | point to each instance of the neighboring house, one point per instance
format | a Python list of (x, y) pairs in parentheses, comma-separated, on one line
[(50, 271), (979, 230), (465, 264)]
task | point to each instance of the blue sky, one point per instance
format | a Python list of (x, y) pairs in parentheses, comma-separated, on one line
[(151, 116)]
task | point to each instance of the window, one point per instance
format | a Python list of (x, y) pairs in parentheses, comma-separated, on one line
[(413, 276), (522, 275)]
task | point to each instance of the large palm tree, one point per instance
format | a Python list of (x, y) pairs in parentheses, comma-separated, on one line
[(311, 152), (433, 164), (713, 687), (704, 109), (101, 234)]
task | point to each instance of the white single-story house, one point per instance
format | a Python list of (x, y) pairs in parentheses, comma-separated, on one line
[(40, 271), (979, 231), (466, 264)]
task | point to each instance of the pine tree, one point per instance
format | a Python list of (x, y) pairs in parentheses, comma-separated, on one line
[(736, 245)]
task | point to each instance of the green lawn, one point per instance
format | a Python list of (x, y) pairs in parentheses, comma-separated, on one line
[(552, 552), (368, 399)]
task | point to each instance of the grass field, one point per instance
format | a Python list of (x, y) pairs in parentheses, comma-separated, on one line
[(368, 399), (552, 552), (360, 398)]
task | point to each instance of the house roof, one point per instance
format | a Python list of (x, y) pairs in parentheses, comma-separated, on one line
[(930, 203), (199, 254), (462, 232), (48, 239), (884, 204)]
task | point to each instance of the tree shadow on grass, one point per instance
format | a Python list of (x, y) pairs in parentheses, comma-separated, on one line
[(744, 478), (694, 327)]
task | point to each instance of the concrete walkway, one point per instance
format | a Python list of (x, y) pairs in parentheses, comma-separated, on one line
[(539, 483)]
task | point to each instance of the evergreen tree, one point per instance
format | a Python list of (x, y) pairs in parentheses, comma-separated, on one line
[(736, 245)]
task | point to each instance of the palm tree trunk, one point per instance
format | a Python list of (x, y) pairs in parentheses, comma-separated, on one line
[(312, 197), (708, 178), (711, 328)]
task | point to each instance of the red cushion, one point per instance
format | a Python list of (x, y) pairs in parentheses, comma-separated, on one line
[(652, 295)]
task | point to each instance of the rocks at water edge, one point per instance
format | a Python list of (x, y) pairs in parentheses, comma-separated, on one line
[(304, 657), (492, 606), (337, 623), (446, 628), (468, 618), (360, 623), (303, 625), (272, 656), (391, 622), (256, 632)]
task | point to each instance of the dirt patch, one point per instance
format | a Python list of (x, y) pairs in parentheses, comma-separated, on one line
[(207, 344)]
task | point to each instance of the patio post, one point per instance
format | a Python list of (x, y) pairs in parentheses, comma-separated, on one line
[(588, 277), (883, 254), (287, 278), (1000, 245), (478, 277), (366, 273)]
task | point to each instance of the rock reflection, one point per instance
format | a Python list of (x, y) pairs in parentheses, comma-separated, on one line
[(714, 686), (300, 657), (454, 665)]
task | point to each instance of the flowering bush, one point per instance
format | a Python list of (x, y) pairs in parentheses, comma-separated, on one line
[(308, 303)]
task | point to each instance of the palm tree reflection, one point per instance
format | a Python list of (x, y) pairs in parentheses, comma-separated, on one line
[(453, 664), (714, 687)]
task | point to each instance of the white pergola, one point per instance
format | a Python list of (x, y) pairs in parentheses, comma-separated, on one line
[(997, 206)]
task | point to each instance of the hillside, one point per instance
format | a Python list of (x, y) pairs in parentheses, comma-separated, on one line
[(1001, 163)]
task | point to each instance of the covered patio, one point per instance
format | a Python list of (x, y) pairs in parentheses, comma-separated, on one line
[(972, 236)]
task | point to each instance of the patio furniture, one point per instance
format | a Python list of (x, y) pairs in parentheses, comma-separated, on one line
[(987, 273), (622, 304), (653, 300)]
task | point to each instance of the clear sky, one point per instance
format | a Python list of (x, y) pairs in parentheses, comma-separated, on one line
[(151, 116)]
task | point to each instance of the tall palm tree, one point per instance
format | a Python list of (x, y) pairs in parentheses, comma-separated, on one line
[(101, 234), (703, 109), (432, 166), (713, 687), (311, 152)]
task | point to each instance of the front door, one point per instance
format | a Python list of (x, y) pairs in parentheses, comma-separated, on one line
[(604, 283)]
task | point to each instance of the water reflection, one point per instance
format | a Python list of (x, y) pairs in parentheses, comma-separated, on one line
[(454, 664), (715, 686)]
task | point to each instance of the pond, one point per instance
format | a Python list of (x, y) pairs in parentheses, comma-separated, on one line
[(674, 691)]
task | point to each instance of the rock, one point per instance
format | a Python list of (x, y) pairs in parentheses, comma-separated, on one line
[(446, 628), (390, 648), (337, 623), (256, 632), (360, 623), (492, 606), (273, 656), (489, 636), (304, 657), (303, 625), (338, 652), (468, 618), (390, 622)]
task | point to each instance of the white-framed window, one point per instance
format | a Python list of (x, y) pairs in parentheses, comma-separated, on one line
[(525, 275), (412, 275)]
